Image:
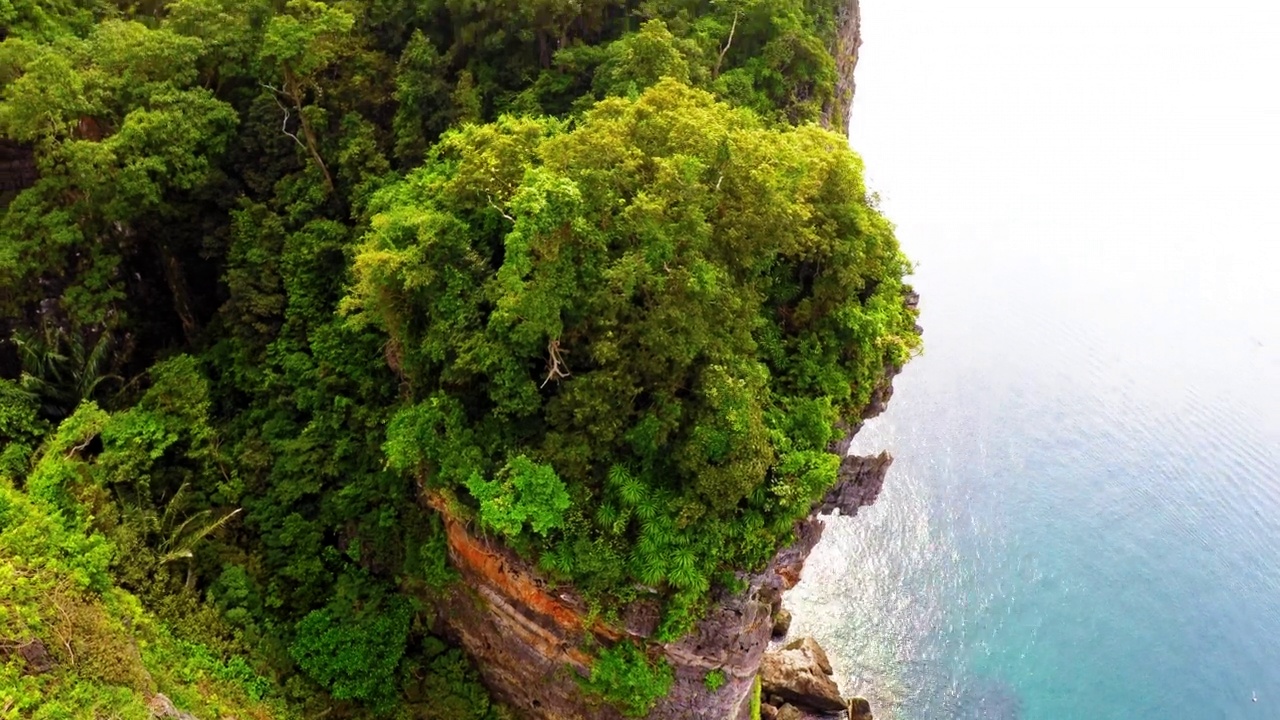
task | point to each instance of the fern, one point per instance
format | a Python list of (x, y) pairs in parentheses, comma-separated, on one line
[(650, 568), (684, 570)]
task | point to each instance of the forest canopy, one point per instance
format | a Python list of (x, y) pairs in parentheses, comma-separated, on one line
[(273, 275)]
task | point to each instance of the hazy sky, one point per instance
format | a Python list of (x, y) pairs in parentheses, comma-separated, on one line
[(1112, 164), (1163, 115)]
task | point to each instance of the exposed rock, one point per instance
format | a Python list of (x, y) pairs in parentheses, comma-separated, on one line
[(527, 637), (844, 48), (33, 654), (641, 618), (17, 168), (781, 623), (859, 709), (162, 708), (36, 656), (811, 647), (857, 485), (790, 712), (801, 674), (768, 712)]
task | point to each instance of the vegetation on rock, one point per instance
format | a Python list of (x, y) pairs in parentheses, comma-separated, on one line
[(588, 269), (624, 676)]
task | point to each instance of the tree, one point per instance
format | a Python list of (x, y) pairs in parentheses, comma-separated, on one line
[(669, 286)]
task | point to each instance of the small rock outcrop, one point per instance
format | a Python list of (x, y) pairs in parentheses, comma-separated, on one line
[(781, 623), (17, 168), (162, 708), (859, 482), (790, 712), (33, 654), (800, 674), (859, 709), (844, 48)]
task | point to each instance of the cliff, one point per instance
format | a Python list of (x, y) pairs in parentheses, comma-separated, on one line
[(844, 48), (528, 638)]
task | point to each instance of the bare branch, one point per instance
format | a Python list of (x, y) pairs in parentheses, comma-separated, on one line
[(494, 205), (716, 72), (284, 125), (556, 368)]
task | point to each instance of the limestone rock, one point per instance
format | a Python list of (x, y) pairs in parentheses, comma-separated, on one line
[(811, 647), (162, 708), (34, 655), (848, 38), (859, 709), (800, 674), (781, 623), (790, 712), (768, 712), (858, 484)]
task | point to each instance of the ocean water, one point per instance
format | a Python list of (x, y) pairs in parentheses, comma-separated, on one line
[(1083, 518)]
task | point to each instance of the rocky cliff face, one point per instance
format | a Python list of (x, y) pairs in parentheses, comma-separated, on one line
[(17, 169), (527, 638), (844, 49)]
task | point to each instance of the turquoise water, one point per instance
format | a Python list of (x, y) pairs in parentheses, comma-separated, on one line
[(1083, 519)]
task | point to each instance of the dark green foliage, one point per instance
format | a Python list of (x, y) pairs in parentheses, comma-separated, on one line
[(582, 266), (450, 688), (354, 653), (20, 428), (625, 677)]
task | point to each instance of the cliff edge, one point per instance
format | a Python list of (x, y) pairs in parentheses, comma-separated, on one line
[(529, 638)]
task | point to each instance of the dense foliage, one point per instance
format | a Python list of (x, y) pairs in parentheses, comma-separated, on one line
[(270, 270), (624, 676), (631, 340)]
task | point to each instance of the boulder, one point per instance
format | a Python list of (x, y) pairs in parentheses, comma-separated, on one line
[(768, 712), (33, 654), (790, 712), (781, 622), (859, 709), (800, 674), (162, 708), (36, 656), (811, 647)]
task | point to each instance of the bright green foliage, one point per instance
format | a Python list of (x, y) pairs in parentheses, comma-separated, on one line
[(668, 307), (714, 680), (110, 654), (525, 492), (584, 267), (625, 677), (755, 699)]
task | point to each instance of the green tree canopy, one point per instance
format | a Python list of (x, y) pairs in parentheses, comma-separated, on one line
[(588, 270), (669, 303)]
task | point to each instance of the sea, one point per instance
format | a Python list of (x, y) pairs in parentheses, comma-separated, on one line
[(1083, 516)]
